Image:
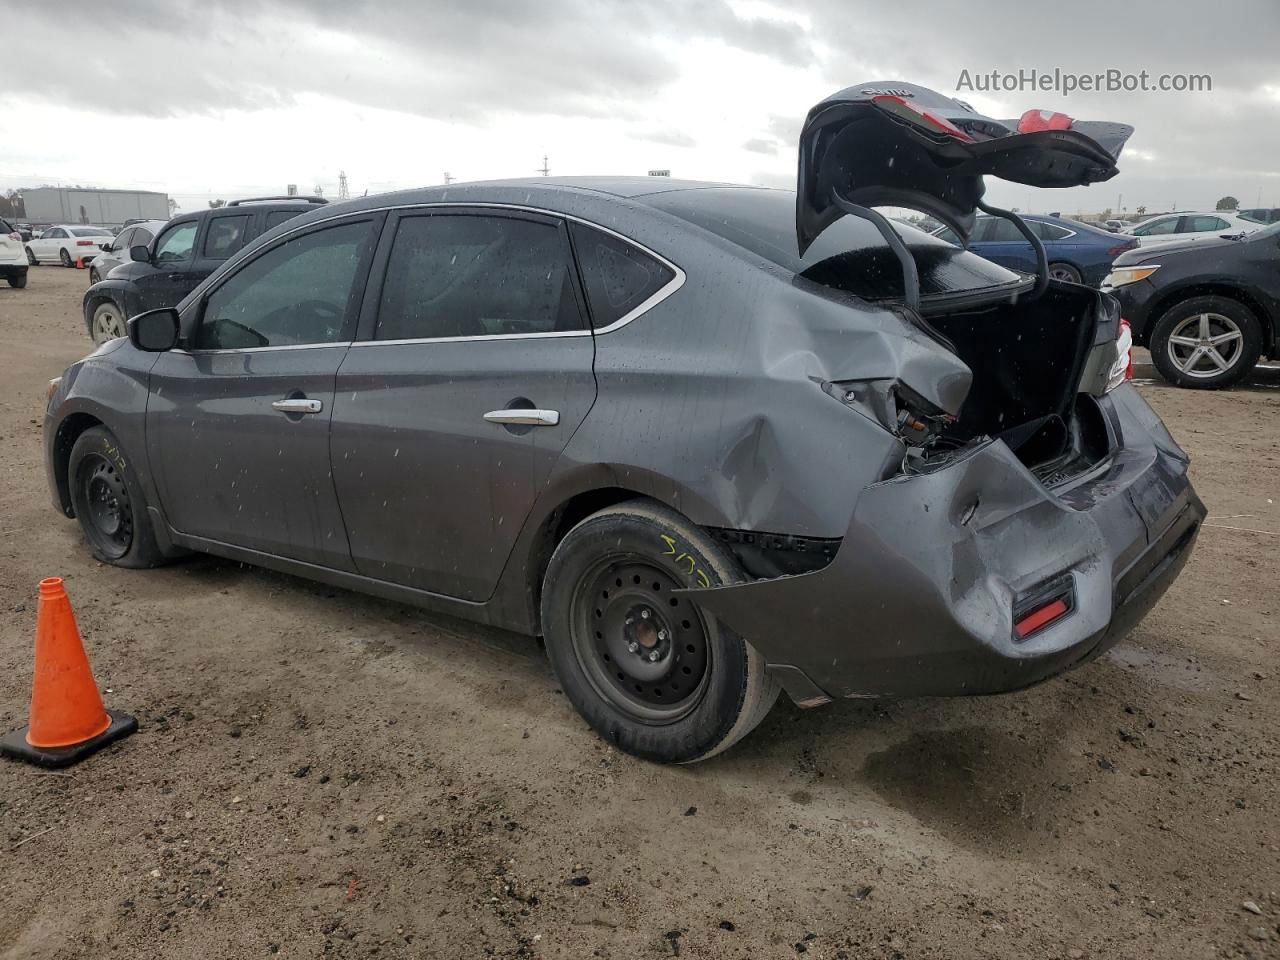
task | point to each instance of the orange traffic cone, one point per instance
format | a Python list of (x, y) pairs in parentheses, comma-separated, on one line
[(68, 721), (79, 263)]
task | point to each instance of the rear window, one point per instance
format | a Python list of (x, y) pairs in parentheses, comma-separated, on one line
[(277, 217), (90, 232), (618, 276), (850, 255)]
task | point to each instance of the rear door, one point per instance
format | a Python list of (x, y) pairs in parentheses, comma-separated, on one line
[(472, 371), (1000, 242), (238, 422), (224, 233), (49, 245)]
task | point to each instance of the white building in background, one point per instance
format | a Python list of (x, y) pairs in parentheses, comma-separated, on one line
[(100, 208)]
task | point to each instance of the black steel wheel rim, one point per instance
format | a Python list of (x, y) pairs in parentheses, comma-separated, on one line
[(108, 512), (643, 649)]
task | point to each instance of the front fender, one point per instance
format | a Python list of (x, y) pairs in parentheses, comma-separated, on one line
[(109, 289)]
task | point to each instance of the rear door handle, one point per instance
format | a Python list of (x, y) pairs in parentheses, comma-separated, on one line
[(535, 418), (296, 405)]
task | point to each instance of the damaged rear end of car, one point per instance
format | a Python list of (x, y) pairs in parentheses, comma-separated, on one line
[(1033, 508)]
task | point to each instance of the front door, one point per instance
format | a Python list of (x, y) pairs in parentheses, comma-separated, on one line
[(168, 280), (473, 370), (238, 422)]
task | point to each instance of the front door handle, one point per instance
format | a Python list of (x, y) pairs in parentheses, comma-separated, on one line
[(297, 405), (533, 418)]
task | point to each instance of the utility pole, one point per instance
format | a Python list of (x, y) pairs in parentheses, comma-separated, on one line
[(448, 178), (545, 169), (343, 194)]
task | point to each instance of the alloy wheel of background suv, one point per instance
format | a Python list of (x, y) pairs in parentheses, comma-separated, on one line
[(1206, 343)]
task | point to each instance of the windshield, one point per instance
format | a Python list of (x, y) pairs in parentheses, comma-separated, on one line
[(90, 232), (849, 255)]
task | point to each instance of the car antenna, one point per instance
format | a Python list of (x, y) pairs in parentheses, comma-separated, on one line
[(910, 276), (1042, 258)]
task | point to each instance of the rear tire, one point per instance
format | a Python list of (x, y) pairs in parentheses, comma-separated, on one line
[(1224, 327), (1064, 271), (109, 502), (651, 672), (18, 280)]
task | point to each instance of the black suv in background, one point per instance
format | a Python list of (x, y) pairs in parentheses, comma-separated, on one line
[(1206, 309), (187, 250)]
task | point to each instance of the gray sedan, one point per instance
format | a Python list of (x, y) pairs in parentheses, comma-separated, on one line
[(117, 251), (637, 418)]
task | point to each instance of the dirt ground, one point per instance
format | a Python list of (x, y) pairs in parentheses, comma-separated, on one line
[(319, 774)]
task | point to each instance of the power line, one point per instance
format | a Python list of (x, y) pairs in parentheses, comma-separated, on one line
[(545, 169), (343, 193)]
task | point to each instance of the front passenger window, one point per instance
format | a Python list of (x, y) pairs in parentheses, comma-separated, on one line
[(176, 243), (301, 291)]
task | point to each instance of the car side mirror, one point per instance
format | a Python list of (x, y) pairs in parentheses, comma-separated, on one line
[(140, 254), (154, 331)]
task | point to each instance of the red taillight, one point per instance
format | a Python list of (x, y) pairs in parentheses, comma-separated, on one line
[(1034, 121), (15, 236), (913, 111), (1120, 248), (84, 243), (1039, 617)]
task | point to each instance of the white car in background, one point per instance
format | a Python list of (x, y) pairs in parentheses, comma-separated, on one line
[(65, 243), (13, 261), (1189, 226)]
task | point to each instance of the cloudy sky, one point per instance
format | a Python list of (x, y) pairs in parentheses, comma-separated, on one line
[(225, 98)]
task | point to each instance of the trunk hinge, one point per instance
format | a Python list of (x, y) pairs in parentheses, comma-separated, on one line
[(910, 276), (1042, 258)]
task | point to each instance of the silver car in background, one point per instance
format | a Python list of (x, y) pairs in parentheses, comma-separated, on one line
[(117, 251)]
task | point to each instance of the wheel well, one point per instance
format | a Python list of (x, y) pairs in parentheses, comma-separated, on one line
[(68, 433), (1172, 299), (558, 523)]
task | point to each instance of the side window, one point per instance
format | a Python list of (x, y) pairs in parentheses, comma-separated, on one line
[(1167, 225), (301, 291), (1002, 231), (175, 243), (225, 236), (456, 275), (1197, 224), (141, 235), (122, 241), (57, 233), (277, 217), (618, 276), (1049, 231)]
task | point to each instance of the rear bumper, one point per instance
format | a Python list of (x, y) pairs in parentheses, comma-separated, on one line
[(919, 599), (13, 269)]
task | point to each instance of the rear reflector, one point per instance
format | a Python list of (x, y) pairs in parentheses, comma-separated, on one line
[(1039, 617)]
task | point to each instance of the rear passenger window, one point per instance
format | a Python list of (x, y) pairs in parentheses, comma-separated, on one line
[(455, 275), (277, 217), (618, 276), (1049, 231), (224, 237)]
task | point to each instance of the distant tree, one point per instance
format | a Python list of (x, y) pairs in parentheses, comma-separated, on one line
[(1142, 211), (215, 204), (173, 206), (1105, 215), (11, 205), (1228, 203)]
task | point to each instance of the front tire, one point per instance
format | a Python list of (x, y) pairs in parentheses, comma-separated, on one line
[(107, 323), (109, 502), (649, 670), (65, 258), (1206, 343)]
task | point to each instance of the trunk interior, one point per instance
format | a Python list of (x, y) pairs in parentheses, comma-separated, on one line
[(1027, 361)]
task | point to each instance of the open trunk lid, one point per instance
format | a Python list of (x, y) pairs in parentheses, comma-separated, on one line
[(903, 145)]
